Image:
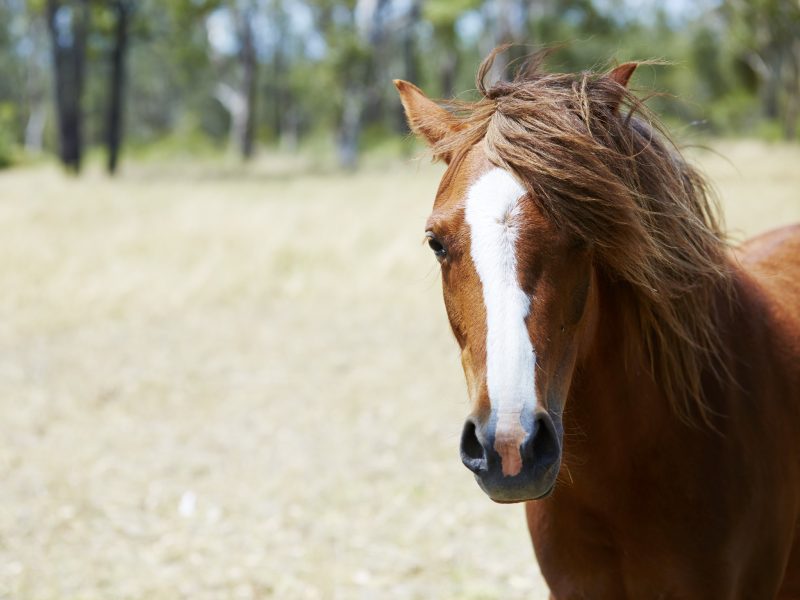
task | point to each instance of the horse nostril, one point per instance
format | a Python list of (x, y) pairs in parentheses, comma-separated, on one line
[(472, 453), (470, 446), (542, 447)]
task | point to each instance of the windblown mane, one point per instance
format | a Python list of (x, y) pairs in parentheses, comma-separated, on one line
[(600, 165)]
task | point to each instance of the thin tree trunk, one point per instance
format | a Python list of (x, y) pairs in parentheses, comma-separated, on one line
[(410, 66), (68, 36), (376, 36), (792, 109), (773, 85), (501, 35), (448, 71), (445, 34), (278, 86), (34, 130), (250, 67), (37, 92), (117, 83), (410, 46), (510, 25), (234, 102), (290, 128), (350, 128)]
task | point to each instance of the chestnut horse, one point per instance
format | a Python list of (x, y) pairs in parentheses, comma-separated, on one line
[(633, 378)]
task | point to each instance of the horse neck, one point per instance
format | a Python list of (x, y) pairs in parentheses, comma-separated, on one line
[(614, 405)]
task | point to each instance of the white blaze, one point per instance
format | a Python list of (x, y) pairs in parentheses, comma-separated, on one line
[(493, 214)]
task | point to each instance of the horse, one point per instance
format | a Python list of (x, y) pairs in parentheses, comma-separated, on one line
[(634, 377)]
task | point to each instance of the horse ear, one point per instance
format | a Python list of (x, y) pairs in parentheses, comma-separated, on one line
[(621, 75), (426, 118)]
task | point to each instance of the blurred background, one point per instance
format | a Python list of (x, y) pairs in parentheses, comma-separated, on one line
[(225, 367), (159, 77)]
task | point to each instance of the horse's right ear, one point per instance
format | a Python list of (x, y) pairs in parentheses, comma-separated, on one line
[(426, 118)]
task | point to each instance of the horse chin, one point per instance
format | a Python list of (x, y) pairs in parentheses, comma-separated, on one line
[(512, 490), (542, 497)]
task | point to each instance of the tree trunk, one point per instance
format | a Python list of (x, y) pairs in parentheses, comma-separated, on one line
[(792, 109), (67, 24), (448, 71), (37, 88), (290, 129), (240, 99), (510, 26), (34, 130), (350, 129), (500, 35), (772, 87), (235, 103), (410, 66), (450, 57), (122, 8), (278, 89), (250, 68), (375, 37)]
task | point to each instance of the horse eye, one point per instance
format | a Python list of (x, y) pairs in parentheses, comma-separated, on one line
[(437, 247)]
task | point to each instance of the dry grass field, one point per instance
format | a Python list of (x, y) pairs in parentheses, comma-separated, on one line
[(227, 383)]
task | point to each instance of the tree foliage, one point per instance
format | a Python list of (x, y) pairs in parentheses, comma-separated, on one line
[(244, 73)]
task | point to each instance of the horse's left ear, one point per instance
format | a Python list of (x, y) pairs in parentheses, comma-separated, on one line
[(622, 75), (426, 118)]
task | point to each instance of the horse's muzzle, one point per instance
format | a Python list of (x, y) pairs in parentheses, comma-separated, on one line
[(540, 454)]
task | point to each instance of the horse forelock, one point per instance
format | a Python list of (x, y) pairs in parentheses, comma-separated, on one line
[(599, 164)]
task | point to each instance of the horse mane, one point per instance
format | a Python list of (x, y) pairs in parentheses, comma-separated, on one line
[(598, 162)]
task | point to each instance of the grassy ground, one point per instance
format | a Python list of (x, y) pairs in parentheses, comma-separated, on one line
[(240, 384)]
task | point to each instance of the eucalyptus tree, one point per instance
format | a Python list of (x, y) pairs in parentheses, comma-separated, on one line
[(123, 13), (768, 33), (68, 22)]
